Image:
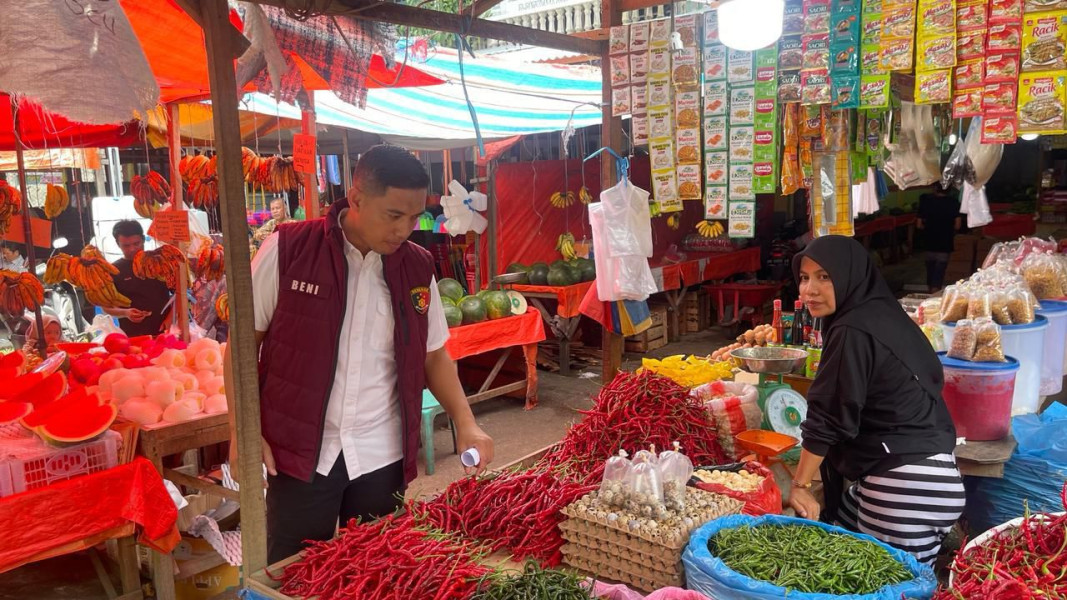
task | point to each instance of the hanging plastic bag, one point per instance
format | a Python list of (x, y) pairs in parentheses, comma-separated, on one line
[(975, 206), (613, 487), (735, 408), (646, 490), (764, 499)]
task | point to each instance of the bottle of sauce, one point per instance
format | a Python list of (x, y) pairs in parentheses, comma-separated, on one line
[(776, 323), (809, 322), (796, 333), (811, 366)]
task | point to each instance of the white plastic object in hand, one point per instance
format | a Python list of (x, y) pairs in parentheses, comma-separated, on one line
[(461, 209), (470, 458)]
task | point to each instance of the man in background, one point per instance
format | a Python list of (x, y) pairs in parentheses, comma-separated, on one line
[(939, 220), (279, 213), (11, 258), (148, 297)]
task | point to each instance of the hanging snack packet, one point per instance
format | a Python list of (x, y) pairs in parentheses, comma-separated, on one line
[(816, 17), (871, 29), (969, 75), (874, 91), (845, 28), (619, 39), (715, 63), (937, 52), (741, 66), (999, 130), (716, 99), (816, 51), (1044, 41), (789, 88), (715, 167), (1005, 38), (815, 87), (793, 20), (870, 59), (844, 59), (899, 21), (967, 104), (964, 341), (970, 45), (846, 92), (972, 15), (897, 54), (988, 346), (790, 53), (1005, 11), (1041, 103), (937, 17), (933, 87)]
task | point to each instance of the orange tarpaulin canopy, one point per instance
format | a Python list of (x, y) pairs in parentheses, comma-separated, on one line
[(174, 46)]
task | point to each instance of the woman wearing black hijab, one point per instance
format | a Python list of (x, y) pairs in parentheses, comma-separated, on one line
[(875, 413)]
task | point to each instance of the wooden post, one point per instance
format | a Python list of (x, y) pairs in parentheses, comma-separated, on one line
[(245, 378), (611, 137), (311, 180), (174, 145), (490, 189), (27, 228)]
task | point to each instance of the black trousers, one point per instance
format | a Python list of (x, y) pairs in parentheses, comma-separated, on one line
[(300, 512)]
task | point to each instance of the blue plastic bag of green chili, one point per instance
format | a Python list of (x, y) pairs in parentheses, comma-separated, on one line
[(708, 574)]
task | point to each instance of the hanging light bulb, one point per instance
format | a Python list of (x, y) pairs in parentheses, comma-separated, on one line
[(750, 24), (1029, 137)]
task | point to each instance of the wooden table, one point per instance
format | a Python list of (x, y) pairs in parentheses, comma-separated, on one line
[(159, 442), (564, 320), (985, 459), (674, 279), (503, 335)]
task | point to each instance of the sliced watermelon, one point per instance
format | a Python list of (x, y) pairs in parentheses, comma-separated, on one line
[(79, 424), (74, 349), (13, 411), (12, 388), (12, 360), (74, 402), (45, 392)]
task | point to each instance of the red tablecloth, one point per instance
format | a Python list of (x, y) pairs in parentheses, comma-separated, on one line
[(569, 297), (902, 220), (716, 265), (1010, 227), (65, 512), (522, 330), (873, 227)]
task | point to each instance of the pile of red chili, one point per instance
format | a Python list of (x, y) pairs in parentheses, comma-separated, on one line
[(517, 510), (390, 558), (632, 412), (1028, 561)]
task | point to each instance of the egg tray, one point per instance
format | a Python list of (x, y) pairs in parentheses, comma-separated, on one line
[(673, 539), (623, 544), (600, 566), (660, 559)]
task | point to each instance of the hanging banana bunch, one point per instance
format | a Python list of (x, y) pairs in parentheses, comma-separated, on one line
[(10, 205), (56, 200), (674, 222), (584, 196), (90, 272), (710, 229), (162, 264), (19, 292), (562, 199), (565, 246), (210, 262), (222, 307)]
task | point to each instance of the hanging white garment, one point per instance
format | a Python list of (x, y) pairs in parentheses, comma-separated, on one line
[(865, 195), (975, 205)]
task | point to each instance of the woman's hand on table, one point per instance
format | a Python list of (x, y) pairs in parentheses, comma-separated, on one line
[(805, 504)]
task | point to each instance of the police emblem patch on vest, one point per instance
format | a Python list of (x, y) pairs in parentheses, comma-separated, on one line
[(420, 299)]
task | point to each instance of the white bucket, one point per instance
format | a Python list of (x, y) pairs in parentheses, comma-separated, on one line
[(1053, 367), (1027, 344)]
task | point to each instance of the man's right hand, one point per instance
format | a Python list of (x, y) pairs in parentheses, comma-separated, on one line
[(268, 459), (136, 315)]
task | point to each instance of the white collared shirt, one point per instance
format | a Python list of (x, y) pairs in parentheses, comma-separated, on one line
[(363, 413)]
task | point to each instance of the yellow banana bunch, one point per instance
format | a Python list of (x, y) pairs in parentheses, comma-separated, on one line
[(584, 196), (10, 205), (163, 264), (90, 272), (710, 229), (56, 200), (150, 188), (19, 292), (565, 246), (674, 222), (562, 200)]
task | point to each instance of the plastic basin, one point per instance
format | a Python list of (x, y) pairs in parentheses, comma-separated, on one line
[(1027, 344), (979, 397), (1053, 366)]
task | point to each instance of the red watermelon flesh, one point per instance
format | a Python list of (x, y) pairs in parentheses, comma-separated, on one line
[(73, 403), (78, 424), (13, 411), (45, 392), (12, 388), (12, 360)]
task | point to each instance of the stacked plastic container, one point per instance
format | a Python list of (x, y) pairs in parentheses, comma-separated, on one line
[(1026, 343), (1055, 361), (979, 396)]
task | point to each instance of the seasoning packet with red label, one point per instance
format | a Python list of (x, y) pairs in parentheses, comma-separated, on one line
[(874, 91), (897, 54), (816, 17), (816, 51), (1032, 6), (967, 103), (937, 17), (711, 27), (936, 53), (971, 44), (933, 87), (1002, 68), (1005, 38), (972, 15), (969, 75), (999, 130), (999, 99), (1005, 11), (815, 87), (1044, 41), (1041, 102)]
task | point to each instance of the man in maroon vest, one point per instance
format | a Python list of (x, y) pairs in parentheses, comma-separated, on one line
[(351, 329)]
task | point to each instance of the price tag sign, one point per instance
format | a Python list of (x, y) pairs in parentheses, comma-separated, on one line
[(170, 226), (304, 153)]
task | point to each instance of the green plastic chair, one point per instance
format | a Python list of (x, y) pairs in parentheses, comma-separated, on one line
[(430, 409)]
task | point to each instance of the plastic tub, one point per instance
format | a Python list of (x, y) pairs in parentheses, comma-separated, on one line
[(1027, 344), (979, 397), (1052, 368)]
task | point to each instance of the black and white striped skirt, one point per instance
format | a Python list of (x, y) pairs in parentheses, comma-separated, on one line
[(911, 507)]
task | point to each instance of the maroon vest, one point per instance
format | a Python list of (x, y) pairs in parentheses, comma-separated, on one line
[(299, 354)]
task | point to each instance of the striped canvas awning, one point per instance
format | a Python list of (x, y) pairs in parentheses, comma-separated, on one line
[(510, 98)]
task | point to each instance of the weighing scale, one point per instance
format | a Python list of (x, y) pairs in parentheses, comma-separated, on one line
[(784, 409), (518, 301)]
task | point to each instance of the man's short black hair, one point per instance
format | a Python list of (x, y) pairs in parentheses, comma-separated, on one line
[(385, 166), (6, 245), (127, 228)]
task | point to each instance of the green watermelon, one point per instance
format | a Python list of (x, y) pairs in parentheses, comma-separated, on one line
[(450, 288), (498, 305), (520, 268), (538, 274), (587, 269), (446, 301), (558, 264), (561, 276), (576, 274), (473, 309), (482, 294), (453, 315)]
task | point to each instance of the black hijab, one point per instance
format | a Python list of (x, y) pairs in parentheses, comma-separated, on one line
[(865, 302)]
